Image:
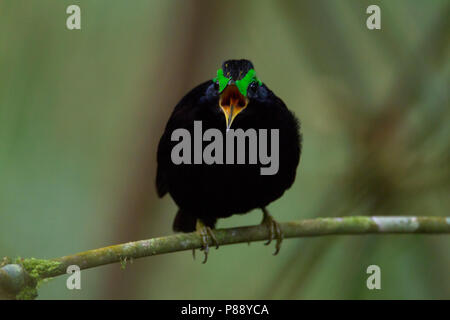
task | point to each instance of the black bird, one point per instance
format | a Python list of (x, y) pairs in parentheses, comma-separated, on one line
[(235, 99)]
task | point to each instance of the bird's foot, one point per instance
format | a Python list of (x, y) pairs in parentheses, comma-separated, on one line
[(206, 234), (274, 230)]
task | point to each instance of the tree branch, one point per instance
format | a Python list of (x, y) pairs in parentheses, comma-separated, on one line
[(19, 278)]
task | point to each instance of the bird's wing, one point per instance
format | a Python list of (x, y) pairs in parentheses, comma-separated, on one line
[(163, 154)]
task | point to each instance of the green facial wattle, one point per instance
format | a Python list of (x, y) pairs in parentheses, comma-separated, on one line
[(223, 81), (241, 84), (245, 81)]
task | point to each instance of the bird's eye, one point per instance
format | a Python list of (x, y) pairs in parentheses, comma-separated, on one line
[(213, 90), (253, 88)]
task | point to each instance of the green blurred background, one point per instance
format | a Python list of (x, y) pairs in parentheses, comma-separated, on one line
[(81, 113)]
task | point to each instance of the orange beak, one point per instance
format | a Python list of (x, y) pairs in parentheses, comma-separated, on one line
[(232, 102)]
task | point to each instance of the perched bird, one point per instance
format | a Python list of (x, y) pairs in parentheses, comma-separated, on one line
[(234, 99)]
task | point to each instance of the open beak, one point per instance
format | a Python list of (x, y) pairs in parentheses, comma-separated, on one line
[(232, 102)]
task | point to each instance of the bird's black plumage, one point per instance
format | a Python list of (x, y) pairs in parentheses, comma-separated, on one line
[(209, 192)]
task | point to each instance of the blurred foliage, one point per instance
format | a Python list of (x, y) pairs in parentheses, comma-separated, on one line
[(81, 113)]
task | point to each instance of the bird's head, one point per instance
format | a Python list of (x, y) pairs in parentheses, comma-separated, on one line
[(236, 83)]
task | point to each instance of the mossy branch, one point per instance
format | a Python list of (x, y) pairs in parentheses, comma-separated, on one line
[(19, 278)]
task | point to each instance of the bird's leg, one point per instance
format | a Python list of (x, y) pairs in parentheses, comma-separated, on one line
[(205, 233), (274, 230)]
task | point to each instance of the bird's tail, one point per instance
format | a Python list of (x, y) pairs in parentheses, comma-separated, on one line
[(184, 222)]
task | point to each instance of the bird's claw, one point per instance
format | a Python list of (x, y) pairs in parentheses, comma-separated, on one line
[(274, 231), (206, 234)]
